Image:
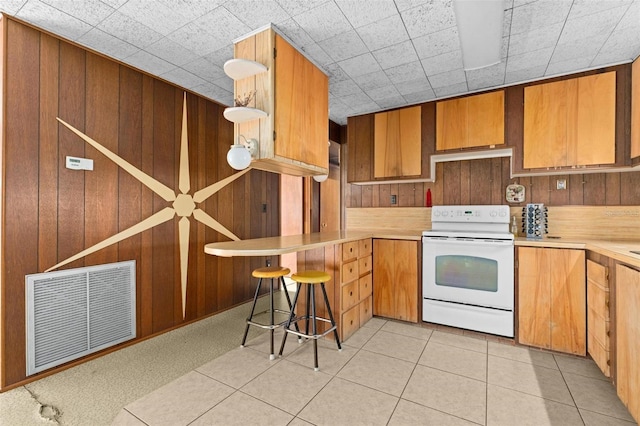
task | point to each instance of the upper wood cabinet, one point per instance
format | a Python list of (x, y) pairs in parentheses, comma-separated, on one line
[(570, 122), (360, 148), (552, 299), (635, 109), (293, 138), (471, 121), (397, 143)]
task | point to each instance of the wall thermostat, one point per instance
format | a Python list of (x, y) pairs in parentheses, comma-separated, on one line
[(76, 163)]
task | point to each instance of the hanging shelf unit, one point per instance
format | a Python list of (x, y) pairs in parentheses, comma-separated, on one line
[(242, 114), (238, 68)]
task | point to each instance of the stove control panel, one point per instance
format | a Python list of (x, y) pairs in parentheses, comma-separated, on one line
[(477, 214)]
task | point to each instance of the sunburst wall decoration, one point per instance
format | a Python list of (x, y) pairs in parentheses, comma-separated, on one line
[(183, 204)]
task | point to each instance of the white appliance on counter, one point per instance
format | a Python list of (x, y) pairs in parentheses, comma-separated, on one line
[(467, 270)]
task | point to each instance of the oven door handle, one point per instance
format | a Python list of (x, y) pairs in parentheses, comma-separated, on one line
[(459, 241)]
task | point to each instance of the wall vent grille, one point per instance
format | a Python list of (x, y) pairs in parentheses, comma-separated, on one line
[(75, 312)]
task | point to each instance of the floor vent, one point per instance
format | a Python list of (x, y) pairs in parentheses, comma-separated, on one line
[(75, 312)]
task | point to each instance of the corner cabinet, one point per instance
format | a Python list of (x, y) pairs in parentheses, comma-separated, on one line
[(395, 279), (570, 122), (355, 286), (472, 121), (552, 299), (397, 143), (598, 316), (291, 95), (628, 338)]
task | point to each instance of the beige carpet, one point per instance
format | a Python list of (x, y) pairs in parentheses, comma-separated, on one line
[(94, 392)]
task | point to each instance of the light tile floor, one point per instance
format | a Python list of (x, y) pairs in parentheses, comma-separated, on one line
[(388, 373)]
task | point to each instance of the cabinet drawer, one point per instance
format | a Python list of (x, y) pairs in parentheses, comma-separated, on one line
[(350, 322), (599, 354), (350, 295), (597, 274), (366, 289), (364, 265), (364, 247), (598, 299), (366, 310), (599, 327), (350, 271), (350, 250)]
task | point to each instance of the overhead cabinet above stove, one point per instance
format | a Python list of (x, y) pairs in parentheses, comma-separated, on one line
[(285, 107)]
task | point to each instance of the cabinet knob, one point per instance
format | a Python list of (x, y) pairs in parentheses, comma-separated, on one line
[(350, 293)]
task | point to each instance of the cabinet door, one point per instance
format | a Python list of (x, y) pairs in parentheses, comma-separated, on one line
[(545, 125), (591, 120), (406, 280), (485, 119), (628, 338), (398, 143), (383, 278), (534, 303), (635, 109), (360, 148), (568, 301), (451, 124)]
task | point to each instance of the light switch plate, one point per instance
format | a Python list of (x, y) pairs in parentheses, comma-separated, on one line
[(561, 184)]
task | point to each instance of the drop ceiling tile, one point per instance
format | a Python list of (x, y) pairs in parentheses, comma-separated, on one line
[(538, 14), (257, 13), (363, 108), (569, 66), (442, 63), (129, 30), (296, 7), (506, 22), (343, 46), (11, 7), (535, 39), (385, 92), (595, 25), (220, 56), (582, 8), (323, 22), (440, 16), (584, 48), (409, 4), (344, 88), (204, 69), (437, 43), (447, 79), (360, 13), (485, 78), (526, 74), (414, 86), (191, 9), (149, 63), (398, 54), (336, 74), (406, 72), (171, 51), (114, 3), (371, 81), (183, 78), (383, 33), (359, 65), (154, 14), (623, 53), (90, 11), (53, 20), (107, 44), (317, 54), (216, 93), (631, 18), (420, 97), (356, 99), (528, 60), (294, 32), (454, 89), (391, 102), (224, 83)]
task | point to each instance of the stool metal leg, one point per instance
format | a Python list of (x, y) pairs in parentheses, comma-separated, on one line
[(271, 356), (286, 294), (250, 317), (312, 290), (288, 323), (333, 322), (306, 329)]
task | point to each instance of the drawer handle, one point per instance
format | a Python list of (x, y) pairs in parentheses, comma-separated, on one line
[(351, 250), (350, 270), (351, 322), (351, 293)]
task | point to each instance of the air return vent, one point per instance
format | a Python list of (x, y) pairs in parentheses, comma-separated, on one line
[(75, 312)]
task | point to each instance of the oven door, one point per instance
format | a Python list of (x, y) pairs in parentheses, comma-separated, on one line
[(472, 271)]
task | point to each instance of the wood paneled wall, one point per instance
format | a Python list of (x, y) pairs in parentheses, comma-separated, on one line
[(484, 182), (51, 213)]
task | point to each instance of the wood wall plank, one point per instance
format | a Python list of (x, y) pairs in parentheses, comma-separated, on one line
[(145, 286)]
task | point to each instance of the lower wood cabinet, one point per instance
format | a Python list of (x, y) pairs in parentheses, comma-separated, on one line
[(628, 338), (598, 316), (552, 299), (355, 287), (395, 279)]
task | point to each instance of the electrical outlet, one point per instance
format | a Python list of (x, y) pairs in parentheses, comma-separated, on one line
[(561, 184), (264, 208), (393, 199)]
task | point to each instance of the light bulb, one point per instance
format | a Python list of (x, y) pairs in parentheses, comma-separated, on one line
[(239, 157), (320, 178)]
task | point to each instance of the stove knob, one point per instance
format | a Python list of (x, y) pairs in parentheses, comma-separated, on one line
[(493, 213), (445, 213), (503, 213), (436, 213)]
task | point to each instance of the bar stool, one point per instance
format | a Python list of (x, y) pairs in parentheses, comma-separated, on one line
[(311, 279), (274, 273)]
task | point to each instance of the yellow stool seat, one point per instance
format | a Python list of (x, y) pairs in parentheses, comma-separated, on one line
[(271, 272), (311, 277)]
